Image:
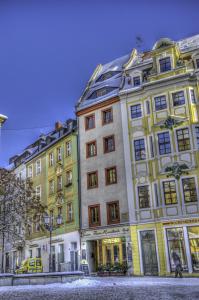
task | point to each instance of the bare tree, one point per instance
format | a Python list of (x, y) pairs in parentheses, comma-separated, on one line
[(18, 207)]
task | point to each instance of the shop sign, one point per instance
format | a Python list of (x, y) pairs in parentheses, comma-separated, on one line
[(180, 222), (111, 241), (117, 230)]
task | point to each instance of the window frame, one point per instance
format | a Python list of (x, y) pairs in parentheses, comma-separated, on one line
[(49, 184), (59, 154), (183, 191), (135, 155), (91, 224), (87, 148), (159, 97), (165, 143), (104, 143), (141, 112), (51, 159), (160, 65), (170, 192), (108, 210), (68, 212), (138, 79), (61, 185), (69, 182), (178, 101), (149, 196), (30, 174), (68, 150), (107, 175), (86, 121), (177, 140), (38, 167), (110, 109), (88, 174), (192, 96)]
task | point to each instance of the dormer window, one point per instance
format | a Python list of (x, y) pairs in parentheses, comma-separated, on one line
[(106, 76), (101, 92), (165, 64), (136, 81)]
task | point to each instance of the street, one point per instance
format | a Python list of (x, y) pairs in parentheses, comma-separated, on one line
[(91, 288)]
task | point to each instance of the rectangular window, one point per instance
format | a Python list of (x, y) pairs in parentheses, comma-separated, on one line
[(143, 196), (92, 180), (91, 149), (183, 139), (94, 215), (197, 136), (59, 154), (169, 190), (178, 98), (111, 175), (38, 192), (165, 64), (139, 148), (175, 238), (59, 211), (69, 212), (192, 96), (39, 252), (51, 159), (160, 102), (68, 148), (30, 172), (136, 111), (164, 143), (148, 107), (189, 189), (107, 116), (197, 63), (113, 212), (151, 146), (69, 178), (136, 81), (38, 166), (90, 122), (109, 144), (51, 187), (59, 183), (193, 233)]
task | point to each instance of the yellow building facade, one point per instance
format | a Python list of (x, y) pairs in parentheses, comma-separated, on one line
[(160, 107)]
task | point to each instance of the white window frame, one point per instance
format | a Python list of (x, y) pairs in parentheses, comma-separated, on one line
[(182, 192), (38, 167), (68, 148), (51, 159), (53, 186), (153, 102), (176, 140), (142, 111), (69, 179), (171, 144), (30, 171), (176, 91), (162, 192), (150, 196), (59, 153), (38, 187), (162, 56), (143, 137)]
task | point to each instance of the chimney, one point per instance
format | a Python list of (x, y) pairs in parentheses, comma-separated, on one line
[(58, 125)]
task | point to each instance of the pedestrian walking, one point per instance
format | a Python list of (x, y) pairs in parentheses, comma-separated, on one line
[(177, 263)]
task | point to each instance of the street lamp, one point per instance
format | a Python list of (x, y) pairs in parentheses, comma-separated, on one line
[(48, 222)]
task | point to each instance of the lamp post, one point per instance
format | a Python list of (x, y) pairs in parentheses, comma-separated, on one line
[(48, 222)]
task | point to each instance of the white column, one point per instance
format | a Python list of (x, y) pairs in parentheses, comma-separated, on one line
[(188, 252), (128, 162)]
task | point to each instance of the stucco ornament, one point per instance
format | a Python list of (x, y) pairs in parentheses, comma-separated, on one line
[(171, 123), (177, 170)]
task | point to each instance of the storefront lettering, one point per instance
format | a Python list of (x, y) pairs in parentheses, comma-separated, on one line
[(190, 221)]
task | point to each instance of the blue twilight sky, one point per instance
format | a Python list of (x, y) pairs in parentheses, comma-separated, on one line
[(49, 49)]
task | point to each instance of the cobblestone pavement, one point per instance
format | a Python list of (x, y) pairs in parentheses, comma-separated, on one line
[(120, 288)]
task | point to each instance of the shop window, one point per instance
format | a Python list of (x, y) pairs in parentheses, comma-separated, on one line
[(107, 116), (189, 189), (169, 190), (90, 122), (111, 175), (91, 149), (136, 81), (160, 103), (94, 215), (136, 111), (178, 98), (143, 196), (139, 148), (192, 96), (109, 144), (164, 143), (113, 212), (193, 233), (116, 253), (92, 180), (165, 64), (176, 245), (183, 139)]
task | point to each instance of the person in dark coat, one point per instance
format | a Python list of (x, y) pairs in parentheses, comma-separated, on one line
[(177, 263)]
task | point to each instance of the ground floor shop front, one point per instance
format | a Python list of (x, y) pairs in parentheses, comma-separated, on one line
[(65, 252), (154, 245), (106, 248)]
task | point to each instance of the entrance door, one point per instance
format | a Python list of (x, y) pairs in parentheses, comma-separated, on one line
[(149, 255), (53, 259)]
